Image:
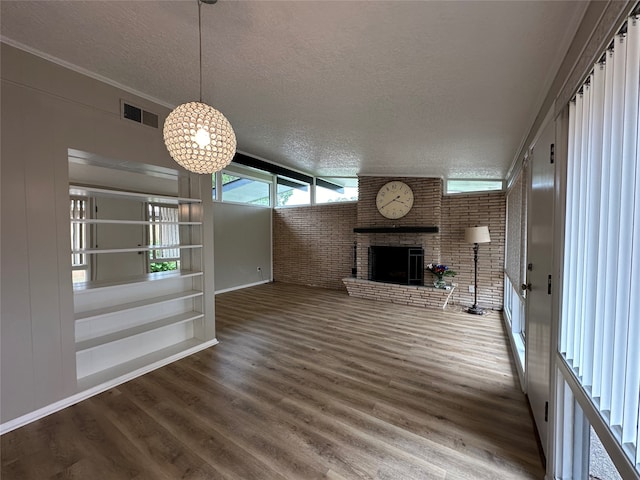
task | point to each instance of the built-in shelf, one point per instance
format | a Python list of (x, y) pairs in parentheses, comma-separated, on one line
[(101, 312), (141, 248), (127, 324), (396, 230), (137, 330), (133, 368), (97, 221), (133, 280), (141, 197)]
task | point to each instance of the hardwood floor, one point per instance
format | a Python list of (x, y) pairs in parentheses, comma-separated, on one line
[(305, 383)]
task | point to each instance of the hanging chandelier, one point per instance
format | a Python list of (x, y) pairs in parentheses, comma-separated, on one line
[(199, 137)]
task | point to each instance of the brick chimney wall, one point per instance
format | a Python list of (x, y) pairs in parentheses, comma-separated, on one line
[(314, 245), (426, 212)]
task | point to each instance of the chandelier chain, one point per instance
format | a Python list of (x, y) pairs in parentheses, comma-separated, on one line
[(200, 42)]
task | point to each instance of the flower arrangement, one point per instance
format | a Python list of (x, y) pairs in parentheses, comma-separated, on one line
[(440, 271)]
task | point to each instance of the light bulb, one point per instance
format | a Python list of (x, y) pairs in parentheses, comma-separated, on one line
[(202, 138)]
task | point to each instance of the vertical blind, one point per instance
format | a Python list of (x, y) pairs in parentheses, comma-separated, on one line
[(164, 232), (78, 211), (600, 326), (517, 228)]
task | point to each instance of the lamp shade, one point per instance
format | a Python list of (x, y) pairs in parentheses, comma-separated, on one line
[(477, 235), (199, 138)]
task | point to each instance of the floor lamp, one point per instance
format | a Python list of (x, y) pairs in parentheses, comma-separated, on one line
[(476, 235)]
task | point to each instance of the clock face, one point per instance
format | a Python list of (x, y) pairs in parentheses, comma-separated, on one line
[(394, 199)]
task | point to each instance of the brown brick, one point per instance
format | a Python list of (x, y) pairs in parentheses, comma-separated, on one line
[(314, 245)]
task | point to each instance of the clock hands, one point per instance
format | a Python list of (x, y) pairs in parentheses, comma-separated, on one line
[(391, 201)]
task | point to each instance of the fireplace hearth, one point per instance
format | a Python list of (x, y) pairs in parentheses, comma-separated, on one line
[(393, 264)]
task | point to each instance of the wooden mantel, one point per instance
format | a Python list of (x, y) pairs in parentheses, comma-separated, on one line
[(396, 230)]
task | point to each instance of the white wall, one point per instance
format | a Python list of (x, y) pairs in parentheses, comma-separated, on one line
[(47, 109), (242, 243)]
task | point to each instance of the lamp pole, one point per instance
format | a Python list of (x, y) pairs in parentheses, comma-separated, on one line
[(476, 310), (476, 235)]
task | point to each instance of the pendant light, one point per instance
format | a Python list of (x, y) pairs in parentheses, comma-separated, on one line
[(199, 137)]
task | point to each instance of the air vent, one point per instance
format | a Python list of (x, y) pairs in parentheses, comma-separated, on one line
[(150, 119), (136, 114)]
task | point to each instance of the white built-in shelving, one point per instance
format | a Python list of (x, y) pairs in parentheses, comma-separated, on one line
[(126, 325), (139, 248), (79, 288), (89, 191)]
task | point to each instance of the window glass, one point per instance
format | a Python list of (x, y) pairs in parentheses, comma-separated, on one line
[(468, 186), (241, 189), (79, 239), (163, 230), (599, 321), (292, 192), (336, 189)]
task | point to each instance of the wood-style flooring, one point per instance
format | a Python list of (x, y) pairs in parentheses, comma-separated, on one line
[(306, 383)]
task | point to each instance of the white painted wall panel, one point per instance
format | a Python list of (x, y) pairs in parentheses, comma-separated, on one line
[(16, 370), (242, 243), (47, 109)]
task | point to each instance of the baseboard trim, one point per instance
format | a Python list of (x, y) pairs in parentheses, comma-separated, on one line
[(518, 360), (240, 287), (90, 392)]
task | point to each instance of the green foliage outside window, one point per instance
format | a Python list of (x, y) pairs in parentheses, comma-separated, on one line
[(163, 266)]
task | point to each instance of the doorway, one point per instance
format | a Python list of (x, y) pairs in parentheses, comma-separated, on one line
[(538, 278)]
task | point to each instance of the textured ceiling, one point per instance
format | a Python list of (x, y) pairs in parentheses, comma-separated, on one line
[(329, 87)]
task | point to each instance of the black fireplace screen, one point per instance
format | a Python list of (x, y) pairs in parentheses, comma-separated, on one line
[(402, 265)]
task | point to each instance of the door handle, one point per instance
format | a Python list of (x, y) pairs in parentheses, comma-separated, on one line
[(525, 286)]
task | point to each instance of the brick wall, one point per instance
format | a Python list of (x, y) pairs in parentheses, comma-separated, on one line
[(426, 212), (314, 245), (459, 212), (417, 296)]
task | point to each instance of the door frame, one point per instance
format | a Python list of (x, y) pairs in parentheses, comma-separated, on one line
[(547, 442)]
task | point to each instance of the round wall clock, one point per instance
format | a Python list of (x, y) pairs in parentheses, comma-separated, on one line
[(394, 199)]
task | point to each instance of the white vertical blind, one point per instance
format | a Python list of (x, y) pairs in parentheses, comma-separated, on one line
[(572, 227), (580, 247), (163, 233), (633, 346), (516, 222), (78, 211), (515, 258), (600, 337), (628, 361), (568, 307), (594, 173), (603, 224)]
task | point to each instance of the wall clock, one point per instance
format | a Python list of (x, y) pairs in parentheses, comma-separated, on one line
[(394, 199)]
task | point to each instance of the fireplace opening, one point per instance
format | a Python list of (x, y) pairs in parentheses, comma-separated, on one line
[(401, 265)]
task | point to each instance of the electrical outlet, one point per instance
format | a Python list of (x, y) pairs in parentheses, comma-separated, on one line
[(259, 269), (472, 288)]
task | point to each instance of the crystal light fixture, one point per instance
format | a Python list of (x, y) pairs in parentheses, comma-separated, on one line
[(199, 137)]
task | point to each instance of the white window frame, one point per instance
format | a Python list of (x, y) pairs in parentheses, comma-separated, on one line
[(157, 230), (80, 209), (598, 360), (474, 180), (243, 172)]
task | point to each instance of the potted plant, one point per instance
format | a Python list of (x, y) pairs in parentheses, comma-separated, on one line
[(440, 271)]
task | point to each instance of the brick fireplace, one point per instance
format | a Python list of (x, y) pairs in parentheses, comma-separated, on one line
[(426, 212), (323, 235)]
